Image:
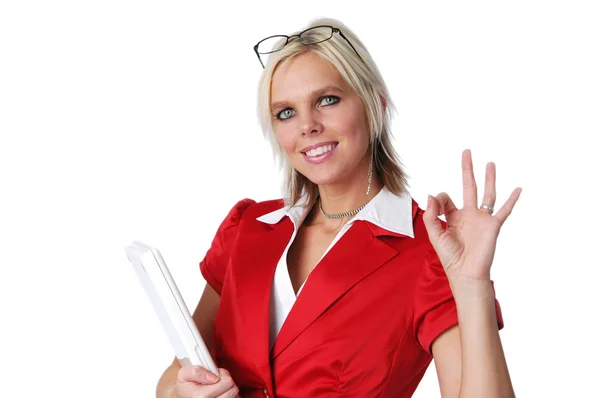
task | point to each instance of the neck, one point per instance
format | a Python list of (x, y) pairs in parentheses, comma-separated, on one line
[(338, 198)]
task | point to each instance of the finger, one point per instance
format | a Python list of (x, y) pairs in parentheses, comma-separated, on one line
[(232, 393), (225, 388), (196, 374), (469, 185), (446, 205), (505, 210), (430, 219), (489, 193)]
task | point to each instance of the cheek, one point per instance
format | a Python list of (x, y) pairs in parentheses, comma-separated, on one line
[(350, 128), (285, 138), (348, 121)]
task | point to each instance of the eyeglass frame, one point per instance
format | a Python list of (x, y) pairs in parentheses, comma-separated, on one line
[(287, 40)]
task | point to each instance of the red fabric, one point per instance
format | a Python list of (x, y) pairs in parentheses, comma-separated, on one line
[(435, 310), (362, 326), (214, 264)]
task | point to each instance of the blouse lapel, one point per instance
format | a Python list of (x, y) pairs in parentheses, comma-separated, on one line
[(256, 261), (357, 254)]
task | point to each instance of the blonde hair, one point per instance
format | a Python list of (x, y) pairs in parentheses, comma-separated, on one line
[(362, 75)]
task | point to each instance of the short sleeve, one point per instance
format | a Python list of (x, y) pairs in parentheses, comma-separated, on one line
[(215, 262), (435, 309)]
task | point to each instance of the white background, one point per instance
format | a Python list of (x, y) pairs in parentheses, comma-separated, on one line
[(125, 120)]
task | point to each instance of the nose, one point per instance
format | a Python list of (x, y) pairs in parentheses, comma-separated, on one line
[(311, 125)]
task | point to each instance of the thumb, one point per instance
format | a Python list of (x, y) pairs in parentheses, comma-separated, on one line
[(431, 221), (197, 374)]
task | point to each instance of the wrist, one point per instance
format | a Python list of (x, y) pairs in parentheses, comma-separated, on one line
[(475, 304), (466, 288)]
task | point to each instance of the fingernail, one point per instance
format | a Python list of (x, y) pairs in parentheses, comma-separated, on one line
[(429, 201), (211, 377)]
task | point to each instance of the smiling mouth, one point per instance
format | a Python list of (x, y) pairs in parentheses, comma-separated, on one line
[(320, 150)]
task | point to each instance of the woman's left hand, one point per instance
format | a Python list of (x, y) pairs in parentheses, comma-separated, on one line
[(466, 246)]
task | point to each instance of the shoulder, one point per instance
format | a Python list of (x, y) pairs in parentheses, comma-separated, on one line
[(248, 210), (256, 209)]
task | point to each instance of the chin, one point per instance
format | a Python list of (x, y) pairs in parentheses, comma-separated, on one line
[(323, 178)]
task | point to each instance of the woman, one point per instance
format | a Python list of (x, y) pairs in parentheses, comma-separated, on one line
[(347, 288)]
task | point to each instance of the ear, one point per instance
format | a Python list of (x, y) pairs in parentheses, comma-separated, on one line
[(383, 103)]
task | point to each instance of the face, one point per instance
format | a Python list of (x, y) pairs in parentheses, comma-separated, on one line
[(319, 121)]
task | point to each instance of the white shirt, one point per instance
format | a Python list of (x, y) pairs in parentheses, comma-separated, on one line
[(386, 210)]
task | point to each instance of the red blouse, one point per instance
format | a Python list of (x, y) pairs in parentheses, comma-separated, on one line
[(362, 327)]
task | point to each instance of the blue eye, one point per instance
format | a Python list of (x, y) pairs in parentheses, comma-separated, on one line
[(329, 100), (285, 114)]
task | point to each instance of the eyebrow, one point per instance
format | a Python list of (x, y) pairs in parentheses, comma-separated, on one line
[(315, 93)]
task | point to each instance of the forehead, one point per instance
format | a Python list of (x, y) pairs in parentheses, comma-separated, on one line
[(302, 75)]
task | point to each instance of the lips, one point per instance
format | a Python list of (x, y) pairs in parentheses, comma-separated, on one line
[(319, 145), (320, 153), (308, 148)]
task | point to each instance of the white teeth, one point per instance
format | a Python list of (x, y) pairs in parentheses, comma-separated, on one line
[(320, 150)]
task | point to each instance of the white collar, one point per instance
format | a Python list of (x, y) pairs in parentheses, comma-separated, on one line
[(386, 210)]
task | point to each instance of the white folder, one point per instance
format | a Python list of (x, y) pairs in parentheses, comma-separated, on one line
[(174, 315)]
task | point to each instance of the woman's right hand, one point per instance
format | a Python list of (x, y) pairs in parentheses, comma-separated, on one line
[(198, 382)]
